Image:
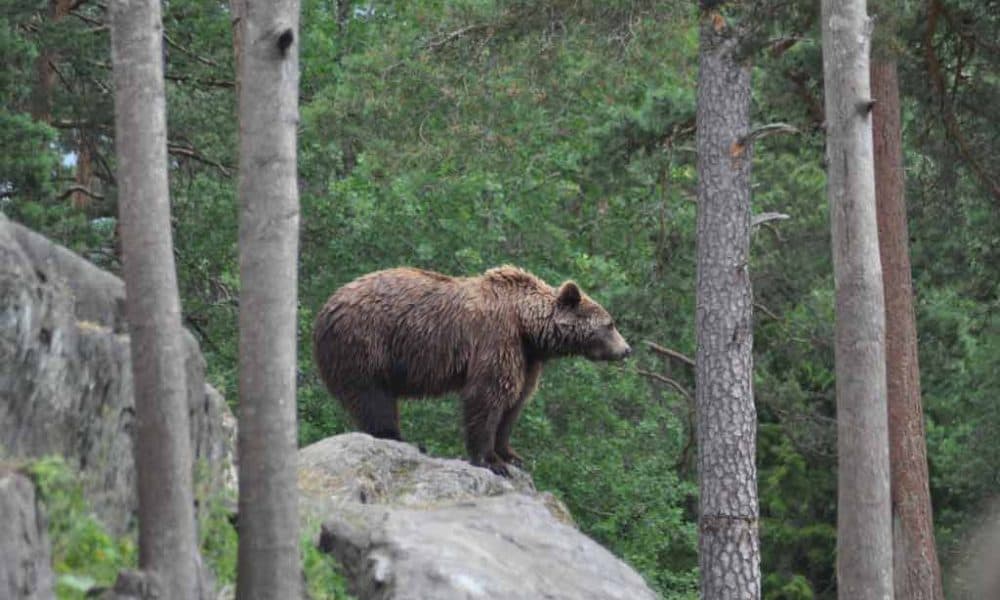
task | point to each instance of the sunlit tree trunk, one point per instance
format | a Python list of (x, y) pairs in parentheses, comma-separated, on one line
[(864, 534), (268, 240), (167, 546), (916, 571), (729, 546)]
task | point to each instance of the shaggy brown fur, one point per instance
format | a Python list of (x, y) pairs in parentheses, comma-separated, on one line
[(409, 333)]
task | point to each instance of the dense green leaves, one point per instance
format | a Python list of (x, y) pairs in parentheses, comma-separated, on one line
[(84, 554), (558, 136)]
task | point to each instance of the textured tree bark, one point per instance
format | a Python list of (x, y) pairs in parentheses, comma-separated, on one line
[(268, 239), (167, 545), (864, 533), (729, 546), (916, 571)]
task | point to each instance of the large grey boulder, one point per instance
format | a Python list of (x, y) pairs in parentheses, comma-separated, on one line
[(66, 378), (25, 556), (408, 526)]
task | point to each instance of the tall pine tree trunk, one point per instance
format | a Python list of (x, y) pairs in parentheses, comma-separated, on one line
[(729, 546), (864, 534), (269, 224), (167, 546), (45, 74), (915, 564)]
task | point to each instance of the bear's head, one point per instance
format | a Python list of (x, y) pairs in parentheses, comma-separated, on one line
[(584, 327)]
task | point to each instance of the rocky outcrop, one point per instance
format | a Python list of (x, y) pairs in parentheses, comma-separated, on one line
[(25, 556), (408, 526), (66, 379), (403, 525)]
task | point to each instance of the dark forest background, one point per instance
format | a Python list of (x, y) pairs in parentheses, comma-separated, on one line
[(558, 136)]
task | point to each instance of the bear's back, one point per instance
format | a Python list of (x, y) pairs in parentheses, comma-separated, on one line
[(407, 330)]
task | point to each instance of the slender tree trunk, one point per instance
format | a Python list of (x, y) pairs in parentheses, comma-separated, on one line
[(269, 222), (167, 546), (864, 533), (727, 418), (45, 74), (915, 565)]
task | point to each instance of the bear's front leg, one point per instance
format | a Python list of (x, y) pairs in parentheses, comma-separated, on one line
[(532, 371), (481, 422), (502, 444)]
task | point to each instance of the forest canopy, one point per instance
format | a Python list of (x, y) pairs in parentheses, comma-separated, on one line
[(559, 136)]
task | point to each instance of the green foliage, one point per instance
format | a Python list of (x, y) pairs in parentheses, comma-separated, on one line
[(613, 463), (219, 544), (84, 555), (324, 578), (218, 540), (559, 137), (28, 160)]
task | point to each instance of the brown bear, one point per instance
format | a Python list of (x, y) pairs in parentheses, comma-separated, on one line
[(408, 333)]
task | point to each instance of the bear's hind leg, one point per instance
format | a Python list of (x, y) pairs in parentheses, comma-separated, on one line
[(378, 414)]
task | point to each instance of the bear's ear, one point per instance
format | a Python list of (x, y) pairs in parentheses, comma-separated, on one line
[(569, 295)]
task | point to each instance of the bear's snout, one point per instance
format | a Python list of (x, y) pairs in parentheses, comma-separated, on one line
[(621, 351), (614, 347)]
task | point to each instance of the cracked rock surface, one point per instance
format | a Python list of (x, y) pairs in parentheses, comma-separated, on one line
[(408, 526), (66, 377)]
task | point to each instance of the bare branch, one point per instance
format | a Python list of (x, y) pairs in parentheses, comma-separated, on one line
[(97, 24), (191, 153), (203, 60), (445, 39), (664, 351), (779, 46), (219, 83), (767, 217), (505, 22), (81, 189), (767, 311), (667, 380), (767, 131)]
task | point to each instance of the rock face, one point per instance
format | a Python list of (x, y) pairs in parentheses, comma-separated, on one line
[(66, 379), (407, 526), (25, 556)]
